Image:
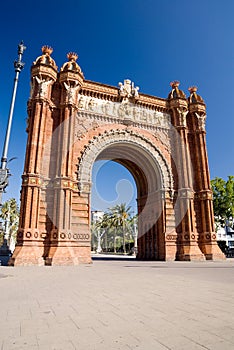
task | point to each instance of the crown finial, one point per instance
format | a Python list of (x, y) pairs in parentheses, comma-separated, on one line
[(192, 89), (72, 56), (175, 84), (47, 50)]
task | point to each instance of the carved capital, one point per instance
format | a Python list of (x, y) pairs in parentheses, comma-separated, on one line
[(185, 193), (84, 187), (204, 195)]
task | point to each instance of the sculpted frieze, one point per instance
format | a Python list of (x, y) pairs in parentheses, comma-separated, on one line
[(123, 110)]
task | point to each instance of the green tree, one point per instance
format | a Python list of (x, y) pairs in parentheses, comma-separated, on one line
[(10, 215), (223, 200), (120, 216), (102, 228), (115, 226)]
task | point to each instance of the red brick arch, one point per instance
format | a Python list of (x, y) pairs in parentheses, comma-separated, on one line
[(72, 122)]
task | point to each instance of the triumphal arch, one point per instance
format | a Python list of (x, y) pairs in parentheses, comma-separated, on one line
[(72, 122)]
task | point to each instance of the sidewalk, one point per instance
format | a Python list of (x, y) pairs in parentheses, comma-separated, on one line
[(118, 304)]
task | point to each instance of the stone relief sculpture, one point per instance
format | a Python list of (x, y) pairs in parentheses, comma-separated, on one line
[(182, 116), (81, 102), (43, 85), (92, 104), (201, 121), (122, 110), (128, 90), (71, 91)]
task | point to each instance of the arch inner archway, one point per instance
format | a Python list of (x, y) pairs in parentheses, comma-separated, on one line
[(152, 177)]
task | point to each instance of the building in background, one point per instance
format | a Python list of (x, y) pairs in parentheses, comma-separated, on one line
[(226, 234)]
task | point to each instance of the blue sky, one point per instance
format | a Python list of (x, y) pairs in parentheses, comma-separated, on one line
[(152, 42)]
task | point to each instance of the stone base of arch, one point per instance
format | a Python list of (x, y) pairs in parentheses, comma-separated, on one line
[(170, 251), (184, 251), (189, 252), (66, 255), (71, 256), (212, 251), (27, 255), (58, 256)]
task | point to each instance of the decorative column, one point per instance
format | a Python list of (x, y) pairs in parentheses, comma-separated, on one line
[(203, 192), (170, 243), (187, 236), (32, 233), (65, 248)]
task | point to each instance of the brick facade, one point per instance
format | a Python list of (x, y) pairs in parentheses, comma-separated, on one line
[(71, 123)]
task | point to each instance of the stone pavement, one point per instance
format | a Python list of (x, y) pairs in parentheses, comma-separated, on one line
[(118, 305)]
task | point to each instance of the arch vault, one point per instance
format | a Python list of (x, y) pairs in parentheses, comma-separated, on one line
[(72, 122)]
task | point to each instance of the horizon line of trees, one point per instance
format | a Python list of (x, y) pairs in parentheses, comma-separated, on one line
[(223, 201)]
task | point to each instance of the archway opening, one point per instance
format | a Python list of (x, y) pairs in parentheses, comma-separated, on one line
[(113, 210), (143, 183)]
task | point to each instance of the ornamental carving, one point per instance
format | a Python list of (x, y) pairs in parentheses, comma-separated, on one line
[(201, 121), (82, 125), (140, 116), (40, 86), (128, 90), (182, 117), (98, 144), (71, 89)]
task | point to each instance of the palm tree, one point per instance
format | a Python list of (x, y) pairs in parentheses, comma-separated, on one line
[(120, 215), (113, 228)]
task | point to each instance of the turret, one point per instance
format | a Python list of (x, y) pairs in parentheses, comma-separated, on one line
[(178, 105), (197, 109), (43, 74), (71, 78)]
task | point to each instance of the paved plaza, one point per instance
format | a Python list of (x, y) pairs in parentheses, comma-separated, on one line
[(118, 304)]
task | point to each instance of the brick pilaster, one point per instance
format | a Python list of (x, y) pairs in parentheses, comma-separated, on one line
[(203, 192)]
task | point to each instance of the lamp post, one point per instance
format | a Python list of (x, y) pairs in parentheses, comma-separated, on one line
[(135, 238), (4, 172)]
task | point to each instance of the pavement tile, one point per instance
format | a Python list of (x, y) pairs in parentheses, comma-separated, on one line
[(118, 305), (20, 343)]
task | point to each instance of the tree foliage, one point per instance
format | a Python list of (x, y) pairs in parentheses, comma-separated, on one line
[(10, 217), (120, 216), (115, 229), (223, 200)]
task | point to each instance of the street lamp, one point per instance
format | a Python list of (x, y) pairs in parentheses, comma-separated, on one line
[(135, 235), (4, 172)]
